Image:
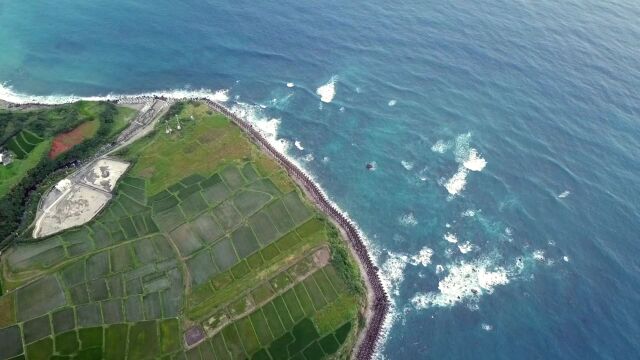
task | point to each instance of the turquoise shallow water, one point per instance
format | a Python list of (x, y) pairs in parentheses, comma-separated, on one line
[(532, 106)]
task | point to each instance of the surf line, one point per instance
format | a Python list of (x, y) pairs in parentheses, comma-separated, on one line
[(377, 298)]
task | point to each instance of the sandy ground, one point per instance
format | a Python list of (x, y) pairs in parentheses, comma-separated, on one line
[(75, 207), (104, 174)]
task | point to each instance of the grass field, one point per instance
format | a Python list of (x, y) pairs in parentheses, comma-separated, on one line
[(204, 232)]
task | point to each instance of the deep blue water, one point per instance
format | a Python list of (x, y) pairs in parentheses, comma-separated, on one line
[(546, 92)]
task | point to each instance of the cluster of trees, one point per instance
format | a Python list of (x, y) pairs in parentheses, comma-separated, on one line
[(13, 205)]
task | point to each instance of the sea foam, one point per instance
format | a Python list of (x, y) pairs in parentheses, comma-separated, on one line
[(8, 94), (468, 159), (328, 91), (464, 282)]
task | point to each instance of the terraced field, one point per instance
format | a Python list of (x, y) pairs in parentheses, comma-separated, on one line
[(208, 251)]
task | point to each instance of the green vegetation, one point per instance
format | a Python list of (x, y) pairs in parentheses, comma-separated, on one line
[(215, 235), (29, 134)]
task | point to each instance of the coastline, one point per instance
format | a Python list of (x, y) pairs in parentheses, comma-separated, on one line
[(377, 303), (377, 307)]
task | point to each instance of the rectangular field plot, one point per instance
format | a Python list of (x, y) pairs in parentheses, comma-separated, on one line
[(298, 210), (227, 215), (192, 180), (143, 340), (214, 190), (132, 192), (271, 314), (63, 320), (248, 202), (304, 299), (261, 327), (207, 228), (170, 335), (223, 254), (121, 258), (264, 229), (325, 285), (36, 329), (115, 336), (217, 342), (315, 293), (39, 297), (164, 203), (247, 335), (281, 307), (293, 305), (186, 241), (232, 177), (233, 342), (264, 185), (134, 181), (201, 267), (101, 236), (280, 217), (193, 205), (249, 172), (244, 241), (112, 311), (169, 219)]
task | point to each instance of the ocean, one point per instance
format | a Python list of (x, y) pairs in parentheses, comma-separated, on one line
[(503, 206)]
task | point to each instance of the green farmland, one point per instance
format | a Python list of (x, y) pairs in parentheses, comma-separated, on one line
[(205, 232)]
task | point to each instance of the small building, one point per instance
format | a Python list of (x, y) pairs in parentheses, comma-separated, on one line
[(5, 157)]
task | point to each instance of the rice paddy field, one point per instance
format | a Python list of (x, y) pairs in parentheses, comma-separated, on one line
[(208, 251)]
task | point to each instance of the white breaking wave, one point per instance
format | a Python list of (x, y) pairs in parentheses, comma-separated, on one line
[(392, 102), (469, 213), (564, 194), (298, 145), (328, 91), (290, 85), (408, 165), (423, 257), (486, 327), (466, 247), (451, 238), (408, 220), (308, 158), (468, 160), (267, 127), (8, 94), (474, 162), (441, 147), (464, 282), (538, 255)]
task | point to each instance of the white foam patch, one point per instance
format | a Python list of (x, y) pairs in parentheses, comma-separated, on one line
[(423, 257), (469, 213), (308, 158), (439, 269), (325, 159), (464, 282), (8, 94), (290, 85), (457, 182), (328, 91), (466, 247), (267, 127), (392, 102), (441, 146), (408, 165), (452, 238), (538, 255), (486, 327), (564, 194), (468, 159), (298, 145), (565, 258), (474, 162), (408, 220)]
